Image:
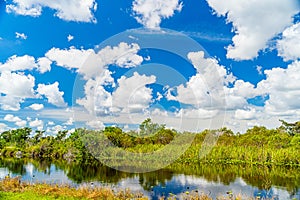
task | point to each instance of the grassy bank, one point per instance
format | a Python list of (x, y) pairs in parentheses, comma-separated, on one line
[(14, 189)]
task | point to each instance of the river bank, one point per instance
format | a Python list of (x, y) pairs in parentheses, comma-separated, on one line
[(14, 189)]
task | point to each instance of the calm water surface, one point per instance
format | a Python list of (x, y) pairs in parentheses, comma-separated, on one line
[(276, 183)]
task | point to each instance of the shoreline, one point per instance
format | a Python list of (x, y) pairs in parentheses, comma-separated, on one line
[(14, 188)]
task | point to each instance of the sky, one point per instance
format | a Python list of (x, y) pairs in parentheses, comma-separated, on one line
[(189, 64)]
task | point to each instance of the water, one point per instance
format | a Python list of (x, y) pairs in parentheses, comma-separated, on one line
[(276, 183)]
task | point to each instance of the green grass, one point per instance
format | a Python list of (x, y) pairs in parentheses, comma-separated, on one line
[(31, 195), (13, 188)]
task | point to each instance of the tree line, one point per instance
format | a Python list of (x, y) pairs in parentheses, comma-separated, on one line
[(258, 144)]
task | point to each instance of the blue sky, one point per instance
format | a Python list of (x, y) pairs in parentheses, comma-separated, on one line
[(189, 64)]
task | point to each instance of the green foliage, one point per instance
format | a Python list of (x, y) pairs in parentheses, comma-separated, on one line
[(258, 145), (148, 128), (16, 137), (291, 128)]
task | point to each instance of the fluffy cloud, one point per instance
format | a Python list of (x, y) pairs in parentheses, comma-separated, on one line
[(21, 123), (95, 94), (212, 90), (69, 10), (39, 124), (289, 46), (3, 127), (57, 128), (11, 103), (18, 63), (70, 121), (69, 58), (91, 64), (195, 92), (206, 88), (197, 113), (237, 96), (26, 62), (283, 88), (52, 93), (248, 114), (11, 118), (14, 88), (36, 106), (94, 67), (255, 22), (96, 124), (151, 12), (212, 73), (44, 65), (132, 95), (17, 85)]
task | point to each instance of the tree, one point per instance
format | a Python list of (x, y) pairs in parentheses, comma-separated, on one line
[(61, 135), (37, 137), (6, 135), (148, 128), (291, 128), (20, 136)]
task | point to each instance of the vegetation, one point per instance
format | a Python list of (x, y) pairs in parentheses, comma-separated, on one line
[(258, 146), (262, 157), (14, 189), (262, 177)]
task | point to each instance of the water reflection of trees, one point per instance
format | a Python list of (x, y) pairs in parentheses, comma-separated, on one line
[(262, 177), (151, 179), (104, 174), (15, 166)]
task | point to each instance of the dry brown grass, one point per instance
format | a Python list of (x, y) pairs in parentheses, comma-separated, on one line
[(66, 192), (15, 185)]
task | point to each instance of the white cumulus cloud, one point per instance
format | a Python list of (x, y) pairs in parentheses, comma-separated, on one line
[(150, 12), (18, 121), (69, 10), (212, 90), (44, 65), (90, 63), (289, 46), (96, 124), (37, 123), (283, 87), (21, 123), (26, 62), (11, 118), (96, 97), (3, 127), (36, 106), (71, 58), (247, 114), (132, 95), (206, 88), (69, 122), (52, 93), (255, 22), (18, 63), (14, 88)]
